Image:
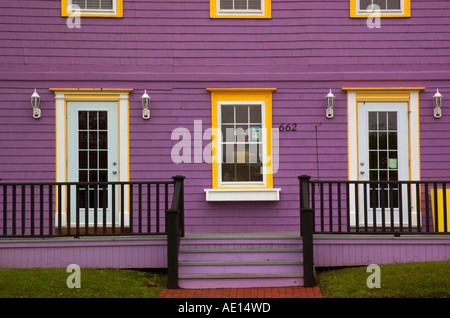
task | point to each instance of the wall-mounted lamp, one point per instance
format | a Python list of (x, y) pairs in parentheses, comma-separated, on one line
[(145, 102), (35, 101), (437, 101), (330, 104)]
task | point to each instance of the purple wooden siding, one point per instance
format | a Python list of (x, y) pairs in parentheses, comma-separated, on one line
[(175, 51)]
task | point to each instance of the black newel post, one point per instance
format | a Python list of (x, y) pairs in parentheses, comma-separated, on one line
[(172, 248), (306, 230)]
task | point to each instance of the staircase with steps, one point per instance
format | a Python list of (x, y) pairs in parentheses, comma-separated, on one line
[(223, 260)]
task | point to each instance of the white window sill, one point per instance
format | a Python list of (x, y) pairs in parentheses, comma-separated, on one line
[(242, 194)]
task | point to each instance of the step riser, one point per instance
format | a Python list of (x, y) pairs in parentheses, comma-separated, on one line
[(238, 256), (240, 269), (239, 283)]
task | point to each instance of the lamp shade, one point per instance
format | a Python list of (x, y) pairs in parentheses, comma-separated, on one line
[(35, 99)]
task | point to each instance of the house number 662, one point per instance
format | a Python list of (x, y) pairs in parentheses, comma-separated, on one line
[(288, 127)]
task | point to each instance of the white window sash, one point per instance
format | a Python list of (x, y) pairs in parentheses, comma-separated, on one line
[(112, 11), (240, 11), (221, 142), (382, 12)]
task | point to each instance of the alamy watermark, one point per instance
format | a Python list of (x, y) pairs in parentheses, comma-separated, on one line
[(74, 279), (74, 16), (374, 279), (374, 20), (239, 145)]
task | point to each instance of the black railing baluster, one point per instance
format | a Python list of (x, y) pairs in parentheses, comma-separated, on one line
[(149, 214), (104, 207), (23, 218), (339, 206), (330, 206), (322, 223), (347, 201), (366, 214), (59, 203), (95, 207), (5, 210), (14, 209), (41, 210), (140, 207), (32, 210), (131, 210), (113, 208), (77, 208), (157, 208), (409, 208), (50, 210), (87, 205), (400, 206), (418, 209), (69, 210), (122, 208), (357, 207)]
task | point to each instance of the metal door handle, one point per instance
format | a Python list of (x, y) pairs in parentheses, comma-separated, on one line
[(362, 171), (114, 172)]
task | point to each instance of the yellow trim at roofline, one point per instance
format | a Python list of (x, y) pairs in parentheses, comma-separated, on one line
[(117, 14)]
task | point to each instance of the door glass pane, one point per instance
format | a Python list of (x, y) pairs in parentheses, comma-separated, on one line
[(383, 153), (92, 155)]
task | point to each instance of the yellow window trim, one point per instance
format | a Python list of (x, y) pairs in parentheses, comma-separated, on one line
[(266, 12), (117, 14), (239, 95), (406, 11)]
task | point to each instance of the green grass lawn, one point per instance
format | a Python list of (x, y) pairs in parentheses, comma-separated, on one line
[(417, 280), (95, 283), (410, 280)]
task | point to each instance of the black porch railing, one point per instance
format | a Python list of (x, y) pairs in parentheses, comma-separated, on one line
[(38, 210), (371, 207), (84, 209)]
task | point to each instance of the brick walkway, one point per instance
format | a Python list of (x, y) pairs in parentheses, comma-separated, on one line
[(267, 292)]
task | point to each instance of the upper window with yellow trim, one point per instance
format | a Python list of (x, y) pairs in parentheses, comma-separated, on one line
[(92, 8), (240, 9), (382, 8), (242, 154)]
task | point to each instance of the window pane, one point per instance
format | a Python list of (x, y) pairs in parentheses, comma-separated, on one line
[(93, 140), (106, 4), (255, 114), (394, 4), (364, 4), (82, 120), (242, 172), (80, 3), (240, 4), (226, 4), (103, 140), (103, 160), (93, 4), (228, 172), (103, 120), (254, 4), (255, 172), (93, 159), (82, 159), (380, 3), (82, 140), (241, 114), (92, 120), (227, 114), (241, 133), (392, 121)]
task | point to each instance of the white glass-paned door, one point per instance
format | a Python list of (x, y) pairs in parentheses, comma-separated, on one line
[(92, 156), (383, 153)]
